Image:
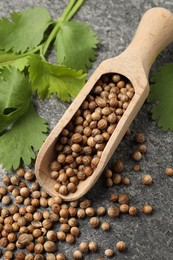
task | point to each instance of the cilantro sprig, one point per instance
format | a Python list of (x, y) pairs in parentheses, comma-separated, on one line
[(25, 38), (161, 96)]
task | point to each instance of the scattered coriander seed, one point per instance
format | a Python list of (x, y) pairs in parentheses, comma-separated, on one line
[(109, 182), (3, 190), (75, 231), (94, 222), (38, 257), (137, 167), (113, 211), (65, 228), (11, 247), (24, 192), (73, 222), (29, 257), (142, 148), (105, 226), (132, 211), (83, 247), (147, 179), (20, 255), (140, 138), (20, 172), (137, 156), (38, 248), (50, 256), (6, 200), (60, 256), (101, 211), (169, 171), (69, 239), (77, 255), (147, 209), (85, 203), (50, 246), (6, 180), (61, 235), (118, 166), (125, 180), (14, 180), (81, 213), (121, 246), (109, 252), (29, 175), (93, 247), (116, 178), (113, 197), (51, 235), (123, 198), (108, 173), (90, 212), (124, 208)]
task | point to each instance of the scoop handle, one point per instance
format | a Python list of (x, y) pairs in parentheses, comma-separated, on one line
[(154, 33)]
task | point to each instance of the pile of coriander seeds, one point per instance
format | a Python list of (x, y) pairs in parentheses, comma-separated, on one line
[(33, 224), (81, 143)]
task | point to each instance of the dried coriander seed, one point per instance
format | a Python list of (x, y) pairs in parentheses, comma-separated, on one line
[(90, 212), (83, 247), (113, 197), (93, 247), (75, 231), (125, 180), (113, 211), (60, 256), (105, 226), (169, 171), (123, 198), (69, 239), (142, 148), (147, 179), (124, 208), (137, 167), (147, 209), (118, 166), (77, 255), (133, 211), (140, 138), (94, 222), (137, 156), (121, 246), (101, 211), (50, 246), (109, 252)]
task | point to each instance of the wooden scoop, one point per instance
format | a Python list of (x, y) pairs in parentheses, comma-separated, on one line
[(154, 33)]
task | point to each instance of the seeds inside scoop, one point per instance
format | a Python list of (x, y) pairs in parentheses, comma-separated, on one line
[(81, 143)]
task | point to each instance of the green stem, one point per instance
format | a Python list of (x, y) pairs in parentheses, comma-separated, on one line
[(68, 13), (74, 10), (12, 56), (67, 10)]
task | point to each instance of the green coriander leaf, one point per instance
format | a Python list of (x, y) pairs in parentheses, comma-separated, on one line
[(11, 59), (47, 78), (25, 30), (162, 95), (15, 96), (22, 141), (75, 45)]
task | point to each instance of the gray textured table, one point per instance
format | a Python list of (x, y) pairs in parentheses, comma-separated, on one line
[(147, 237)]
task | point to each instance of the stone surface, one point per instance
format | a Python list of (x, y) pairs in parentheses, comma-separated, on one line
[(147, 237)]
